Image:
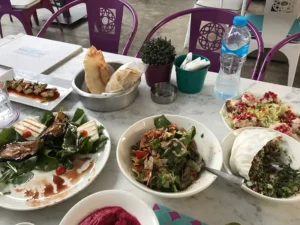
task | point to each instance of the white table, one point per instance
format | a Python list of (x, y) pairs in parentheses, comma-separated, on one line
[(217, 205)]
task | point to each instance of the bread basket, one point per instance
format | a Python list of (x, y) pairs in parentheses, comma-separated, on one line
[(105, 102)]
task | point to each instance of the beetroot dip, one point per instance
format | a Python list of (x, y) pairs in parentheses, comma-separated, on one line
[(113, 215)]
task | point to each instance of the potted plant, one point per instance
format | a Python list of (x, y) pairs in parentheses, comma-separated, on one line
[(159, 53)]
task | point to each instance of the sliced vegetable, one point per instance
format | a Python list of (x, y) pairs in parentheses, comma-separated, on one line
[(26, 134), (98, 146), (79, 117), (46, 118), (45, 161), (141, 154), (155, 144), (60, 170), (85, 145), (190, 134), (83, 133), (9, 135), (161, 122)]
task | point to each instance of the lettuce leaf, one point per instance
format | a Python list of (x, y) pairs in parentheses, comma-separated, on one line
[(79, 117), (9, 135)]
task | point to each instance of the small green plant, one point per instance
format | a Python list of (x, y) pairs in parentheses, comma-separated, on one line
[(158, 51)]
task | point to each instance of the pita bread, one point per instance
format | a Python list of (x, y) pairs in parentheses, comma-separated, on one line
[(123, 79), (96, 70)]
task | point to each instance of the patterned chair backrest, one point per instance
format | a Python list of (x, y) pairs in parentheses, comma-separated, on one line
[(279, 16), (105, 22), (207, 29), (207, 32)]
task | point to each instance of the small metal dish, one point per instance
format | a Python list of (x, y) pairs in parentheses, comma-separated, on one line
[(104, 102), (163, 93)]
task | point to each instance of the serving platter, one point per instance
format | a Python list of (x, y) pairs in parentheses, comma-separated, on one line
[(64, 88), (223, 110), (46, 189)]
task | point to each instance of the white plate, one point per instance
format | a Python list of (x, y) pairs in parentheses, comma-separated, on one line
[(64, 88), (130, 202), (207, 144), (87, 174), (292, 145)]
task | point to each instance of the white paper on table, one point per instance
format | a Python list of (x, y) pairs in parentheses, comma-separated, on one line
[(35, 54)]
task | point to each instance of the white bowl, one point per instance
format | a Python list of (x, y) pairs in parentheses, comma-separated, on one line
[(130, 202), (293, 152), (208, 147)]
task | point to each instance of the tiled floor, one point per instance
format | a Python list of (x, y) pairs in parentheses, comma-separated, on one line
[(149, 13)]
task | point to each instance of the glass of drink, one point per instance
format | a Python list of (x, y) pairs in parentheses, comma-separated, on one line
[(6, 110)]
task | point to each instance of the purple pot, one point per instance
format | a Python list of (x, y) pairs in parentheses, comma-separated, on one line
[(157, 74)]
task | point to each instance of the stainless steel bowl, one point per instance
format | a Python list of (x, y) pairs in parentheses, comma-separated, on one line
[(104, 103), (163, 93)]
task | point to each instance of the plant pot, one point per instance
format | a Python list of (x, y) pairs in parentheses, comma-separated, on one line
[(156, 74), (190, 82)]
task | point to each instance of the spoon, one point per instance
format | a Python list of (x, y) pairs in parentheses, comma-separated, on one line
[(232, 179)]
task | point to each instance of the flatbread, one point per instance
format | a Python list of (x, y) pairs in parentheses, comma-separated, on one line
[(123, 79), (96, 70)]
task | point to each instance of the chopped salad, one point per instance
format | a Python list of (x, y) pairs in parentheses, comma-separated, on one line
[(166, 159), (279, 181), (266, 111)]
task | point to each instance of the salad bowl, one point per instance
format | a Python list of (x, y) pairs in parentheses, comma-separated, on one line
[(292, 150), (207, 145)]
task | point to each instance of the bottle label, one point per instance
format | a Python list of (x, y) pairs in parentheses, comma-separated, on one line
[(242, 51)]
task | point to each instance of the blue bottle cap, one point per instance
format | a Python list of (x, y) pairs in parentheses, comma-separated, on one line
[(240, 21)]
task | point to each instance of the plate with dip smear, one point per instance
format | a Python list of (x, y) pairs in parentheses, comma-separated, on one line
[(42, 169)]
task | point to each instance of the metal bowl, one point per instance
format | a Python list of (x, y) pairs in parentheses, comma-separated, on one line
[(163, 93), (104, 102)]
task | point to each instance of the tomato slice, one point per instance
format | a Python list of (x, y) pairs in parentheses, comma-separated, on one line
[(60, 170), (83, 133), (26, 133), (140, 154)]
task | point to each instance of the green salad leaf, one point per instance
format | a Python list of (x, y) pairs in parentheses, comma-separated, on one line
[(69, 145), (9, 135), (17, 172), (85, 145), (46, 118), (22, 178), (161, 122), (99, 144), (46, 162), (155, 144), (79, 117), (190, 134)]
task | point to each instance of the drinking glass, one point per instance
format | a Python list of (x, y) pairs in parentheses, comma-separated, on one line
[(6, 110)]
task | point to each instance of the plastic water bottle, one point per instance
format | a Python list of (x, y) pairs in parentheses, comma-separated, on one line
[(234, 51)]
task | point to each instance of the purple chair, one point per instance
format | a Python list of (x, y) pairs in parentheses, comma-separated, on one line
[(207, 28), (272, 52), (105, 23), (23, 14), (248, 4)]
